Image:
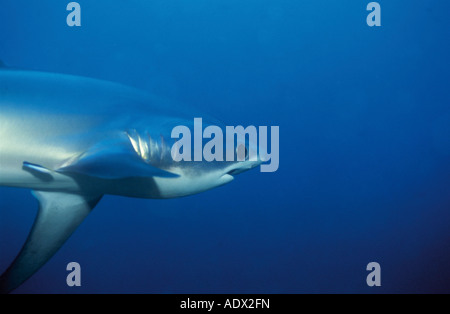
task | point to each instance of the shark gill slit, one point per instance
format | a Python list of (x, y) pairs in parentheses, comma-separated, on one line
[(146, 147)]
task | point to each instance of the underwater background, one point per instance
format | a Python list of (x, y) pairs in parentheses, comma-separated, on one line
[(364, 123)]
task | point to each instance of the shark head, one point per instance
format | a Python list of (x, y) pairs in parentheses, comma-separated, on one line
[(194, 172), (195, 176)]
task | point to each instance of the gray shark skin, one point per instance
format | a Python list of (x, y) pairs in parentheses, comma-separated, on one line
[(72, 140)]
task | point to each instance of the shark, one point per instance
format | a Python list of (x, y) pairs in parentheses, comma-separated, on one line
[(71, 140)]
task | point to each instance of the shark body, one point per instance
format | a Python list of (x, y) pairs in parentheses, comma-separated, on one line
[(72, 140)]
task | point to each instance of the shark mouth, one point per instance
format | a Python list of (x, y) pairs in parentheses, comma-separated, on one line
[(234, 172)]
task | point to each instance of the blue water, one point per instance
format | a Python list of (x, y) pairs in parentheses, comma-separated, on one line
[(364, 123)]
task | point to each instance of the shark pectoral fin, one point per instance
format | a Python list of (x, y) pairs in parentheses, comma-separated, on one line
[(114, 165), (58, 216)]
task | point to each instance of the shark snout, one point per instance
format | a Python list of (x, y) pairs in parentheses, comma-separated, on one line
[(242, 166)]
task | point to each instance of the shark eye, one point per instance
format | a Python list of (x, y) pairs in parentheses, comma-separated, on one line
[(241, 152)]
